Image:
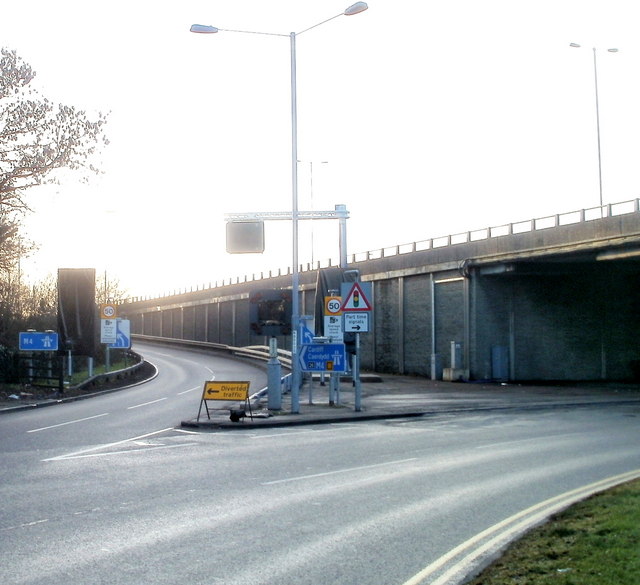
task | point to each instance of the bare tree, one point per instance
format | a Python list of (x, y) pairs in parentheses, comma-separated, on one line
[(13, 246), (37, 137), (109, 290), (40, 304), (37, 140)]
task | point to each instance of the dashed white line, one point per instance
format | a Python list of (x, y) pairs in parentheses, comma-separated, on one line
[(327, 473), (25, 525), (71, 422), (145, 403), (529, 440)]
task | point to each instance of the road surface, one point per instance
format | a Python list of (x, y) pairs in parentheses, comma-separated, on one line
[(111, 490)]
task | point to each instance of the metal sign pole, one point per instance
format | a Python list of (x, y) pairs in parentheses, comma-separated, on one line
[(356, 376)]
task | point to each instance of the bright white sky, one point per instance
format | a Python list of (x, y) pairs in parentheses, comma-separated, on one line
[(434, 117)]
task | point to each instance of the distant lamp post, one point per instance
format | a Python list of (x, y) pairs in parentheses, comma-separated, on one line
[(322, 162), (356, 8), (595, 74)]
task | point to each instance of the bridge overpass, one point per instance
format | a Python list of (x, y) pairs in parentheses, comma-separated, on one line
[(553, 298)]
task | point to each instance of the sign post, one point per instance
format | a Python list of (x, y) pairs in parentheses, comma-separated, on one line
[(108, 329), (357, 306)]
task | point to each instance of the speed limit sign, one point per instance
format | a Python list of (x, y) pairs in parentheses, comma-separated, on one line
[(108, 311), (332, 306)]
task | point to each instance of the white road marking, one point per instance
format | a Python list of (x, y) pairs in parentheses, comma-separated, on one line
[(508, 528), (25, 525), (529, 440), (145, 403), (337, 471), (285, 434), (106, 445), (71, 422), (189, 390), (127, 451)]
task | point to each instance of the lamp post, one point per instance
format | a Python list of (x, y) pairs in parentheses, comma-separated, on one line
[(595, 75), (356, 8), (322, 162)]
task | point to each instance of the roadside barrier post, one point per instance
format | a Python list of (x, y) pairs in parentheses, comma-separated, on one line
[(274, 391)]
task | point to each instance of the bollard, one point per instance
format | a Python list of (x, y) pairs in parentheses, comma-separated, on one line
[(274, 384), (357, 406), (334, 397)]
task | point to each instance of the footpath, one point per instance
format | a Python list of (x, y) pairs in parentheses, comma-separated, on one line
[(392, 396)]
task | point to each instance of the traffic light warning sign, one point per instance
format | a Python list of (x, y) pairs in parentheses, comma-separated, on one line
[(356, 300)]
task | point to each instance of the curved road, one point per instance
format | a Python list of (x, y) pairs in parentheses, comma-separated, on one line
[(110, 490)]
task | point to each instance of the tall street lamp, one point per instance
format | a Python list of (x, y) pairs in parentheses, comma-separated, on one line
[(595, 74), (356, 8)]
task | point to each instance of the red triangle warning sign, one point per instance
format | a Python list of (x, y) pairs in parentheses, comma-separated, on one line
[(356, 300)]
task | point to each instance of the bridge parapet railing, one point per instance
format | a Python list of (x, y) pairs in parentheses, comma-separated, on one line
[(529, 225), (259, 352)]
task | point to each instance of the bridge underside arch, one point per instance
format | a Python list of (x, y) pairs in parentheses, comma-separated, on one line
[(556, 320)]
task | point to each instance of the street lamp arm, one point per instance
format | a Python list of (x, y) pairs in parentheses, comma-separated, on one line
[(319, 24), (253, 32), (208, 30), (356, 8), (578, 46)]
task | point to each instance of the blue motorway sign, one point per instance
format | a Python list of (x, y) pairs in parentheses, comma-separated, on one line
[(323, 357), (38, 341), (123, 335)]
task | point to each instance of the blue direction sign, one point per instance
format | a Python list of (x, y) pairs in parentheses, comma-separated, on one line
[(123, 335), (323, 357), (306, 334), (38, 341)]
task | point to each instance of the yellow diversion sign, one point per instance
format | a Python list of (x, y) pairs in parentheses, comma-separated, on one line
[(225, 391)]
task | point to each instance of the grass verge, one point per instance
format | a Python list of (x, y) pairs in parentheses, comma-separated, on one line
[(594, 542)]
